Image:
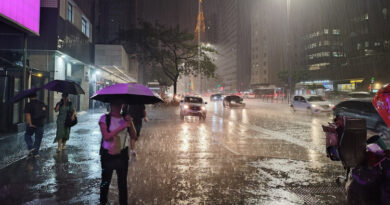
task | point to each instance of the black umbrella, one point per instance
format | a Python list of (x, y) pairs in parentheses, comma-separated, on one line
[(23, 94), (64, 86)]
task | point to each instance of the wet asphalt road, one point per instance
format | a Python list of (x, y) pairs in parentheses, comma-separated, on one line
[(263, 154)]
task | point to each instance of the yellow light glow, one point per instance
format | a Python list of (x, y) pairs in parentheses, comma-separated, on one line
[(377, 86)]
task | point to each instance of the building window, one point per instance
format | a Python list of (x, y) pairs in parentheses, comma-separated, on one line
[(377, 44), (326, 43), (326, 31), (387, 44), (366, 44), (70, 12), (359, 46), (85, 26), (336, 31), (265, 63)]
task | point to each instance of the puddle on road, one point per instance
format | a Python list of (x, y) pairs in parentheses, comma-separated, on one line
[(275, 182)]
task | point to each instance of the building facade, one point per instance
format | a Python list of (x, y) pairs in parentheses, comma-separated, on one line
[(269, 43), (344, 45), (233, 45), (63, 50)]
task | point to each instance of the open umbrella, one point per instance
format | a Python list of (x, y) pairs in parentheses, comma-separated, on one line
[(381, 102), (64, 86), (23, 94), (130, 93)]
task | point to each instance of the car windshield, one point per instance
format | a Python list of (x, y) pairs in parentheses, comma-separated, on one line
[(315, 99), (193, 100)]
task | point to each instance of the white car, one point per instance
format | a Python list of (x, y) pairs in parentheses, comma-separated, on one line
[(311, 104), (193, 106)]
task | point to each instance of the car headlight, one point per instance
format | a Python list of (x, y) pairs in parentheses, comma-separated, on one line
[(203, 108), (313, 105), (186, 106)]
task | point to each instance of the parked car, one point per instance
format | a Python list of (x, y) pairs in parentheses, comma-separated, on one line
[(233, 101), (216, 97), (193, 106), (311, 104), (358, 95), (364, 109)]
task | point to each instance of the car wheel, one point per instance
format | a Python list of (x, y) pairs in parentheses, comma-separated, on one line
[(292, 108)]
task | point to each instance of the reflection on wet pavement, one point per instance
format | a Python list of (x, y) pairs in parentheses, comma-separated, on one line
[(263, 154)]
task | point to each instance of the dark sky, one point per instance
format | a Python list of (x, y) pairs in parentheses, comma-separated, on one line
[(171, 12)]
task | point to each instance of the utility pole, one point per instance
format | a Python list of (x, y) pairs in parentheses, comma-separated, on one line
[(288, 7)]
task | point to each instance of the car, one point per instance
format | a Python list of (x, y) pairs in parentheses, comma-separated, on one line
[(311, 104), (250, 95), (193, 106), (233, 101), (356, 95), (362, 108), (216, 97)]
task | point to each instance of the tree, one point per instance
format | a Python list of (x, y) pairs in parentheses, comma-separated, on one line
[(173, 52)]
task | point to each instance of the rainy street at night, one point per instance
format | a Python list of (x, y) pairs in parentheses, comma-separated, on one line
[(236, 156), (191, 102)]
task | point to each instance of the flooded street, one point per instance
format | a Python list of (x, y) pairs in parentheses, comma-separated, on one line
[(263, 154)]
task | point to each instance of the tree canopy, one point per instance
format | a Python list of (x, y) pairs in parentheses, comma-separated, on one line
[(173, 52)]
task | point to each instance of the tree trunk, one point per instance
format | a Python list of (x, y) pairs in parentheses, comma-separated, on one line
[(174, 88)]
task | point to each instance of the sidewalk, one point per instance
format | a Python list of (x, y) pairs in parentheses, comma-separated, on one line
[(13, 147)]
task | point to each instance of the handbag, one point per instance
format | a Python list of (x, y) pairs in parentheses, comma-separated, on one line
[(68, 121)]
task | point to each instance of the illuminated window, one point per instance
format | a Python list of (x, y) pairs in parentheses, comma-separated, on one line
[(84, 26), (326, 31), (336, 31), (359, 46), (366, 44), (70, 12), (377, 44)]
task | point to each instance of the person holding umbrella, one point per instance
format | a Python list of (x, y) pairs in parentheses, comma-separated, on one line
[(115, 150), (114, 128), (35, 112), (63, 108)]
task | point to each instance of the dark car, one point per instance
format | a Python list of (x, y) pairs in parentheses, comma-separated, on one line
[(216, 97), (364, 109), (233, 101)]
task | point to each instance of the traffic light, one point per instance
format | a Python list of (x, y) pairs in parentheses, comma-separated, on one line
[(372, 80)]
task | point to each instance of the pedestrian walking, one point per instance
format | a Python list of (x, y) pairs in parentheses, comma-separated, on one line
[(65, 110), (138, 113), (35, 112), (114, 150)]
